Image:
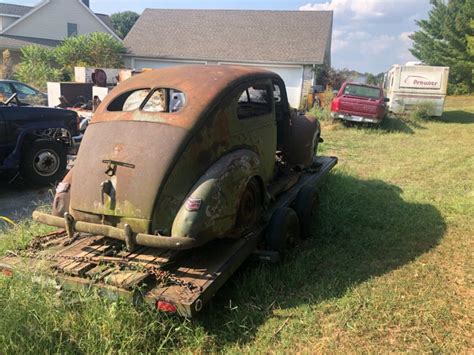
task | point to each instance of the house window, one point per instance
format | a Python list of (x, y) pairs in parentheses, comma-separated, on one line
[(71, 29)]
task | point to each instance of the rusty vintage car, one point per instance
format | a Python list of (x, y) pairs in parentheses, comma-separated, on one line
[(180, 156)]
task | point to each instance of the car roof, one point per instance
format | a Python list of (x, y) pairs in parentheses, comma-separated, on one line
[(361, 84), (201, 84)]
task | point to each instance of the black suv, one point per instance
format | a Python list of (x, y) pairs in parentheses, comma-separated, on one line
[(34, 140)]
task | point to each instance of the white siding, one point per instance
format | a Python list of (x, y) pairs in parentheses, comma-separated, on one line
[(6, 21), (50, 21)]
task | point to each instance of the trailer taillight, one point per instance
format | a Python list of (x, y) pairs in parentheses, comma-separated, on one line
[(6, 272), (165, 306)]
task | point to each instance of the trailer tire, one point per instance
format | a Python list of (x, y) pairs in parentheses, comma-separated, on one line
[(283, 230), (306, 204)]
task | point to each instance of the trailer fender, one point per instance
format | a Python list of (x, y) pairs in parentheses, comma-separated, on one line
[(210, 209)]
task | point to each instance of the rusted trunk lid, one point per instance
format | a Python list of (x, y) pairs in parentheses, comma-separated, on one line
[(121, 167)]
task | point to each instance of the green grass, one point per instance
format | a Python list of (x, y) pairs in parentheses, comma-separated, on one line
[(389, 268)]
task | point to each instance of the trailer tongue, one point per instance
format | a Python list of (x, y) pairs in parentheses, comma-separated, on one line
[(170, 280)]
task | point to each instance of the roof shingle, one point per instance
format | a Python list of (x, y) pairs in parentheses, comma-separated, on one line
[(15, 10), (301, 37), (15, 42)]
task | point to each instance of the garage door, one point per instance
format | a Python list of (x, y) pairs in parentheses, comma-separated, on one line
[(293, 78), (142, 63), (291, 75)]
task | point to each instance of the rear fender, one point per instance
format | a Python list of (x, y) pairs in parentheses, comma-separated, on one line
[(210, 209)]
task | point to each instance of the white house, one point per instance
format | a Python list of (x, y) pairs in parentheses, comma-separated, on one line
[(290, 43), (48, 23)]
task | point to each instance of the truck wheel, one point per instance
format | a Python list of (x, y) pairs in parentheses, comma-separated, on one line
[(283, 230), (44, 162), (305, 205), (250, 207)]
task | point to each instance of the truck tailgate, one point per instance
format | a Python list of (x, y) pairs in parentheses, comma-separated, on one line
[(359, 106)]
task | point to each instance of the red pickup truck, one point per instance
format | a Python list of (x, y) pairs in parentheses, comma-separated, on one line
[(359, 103)]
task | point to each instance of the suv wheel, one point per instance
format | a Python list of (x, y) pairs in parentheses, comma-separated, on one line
[(44, 162)]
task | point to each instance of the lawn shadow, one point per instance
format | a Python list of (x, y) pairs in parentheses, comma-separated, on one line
[(363, 229), (463, 117), (390, 124)]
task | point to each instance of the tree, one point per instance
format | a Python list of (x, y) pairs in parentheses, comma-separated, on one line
[(327, 76), (443, 40), (123, 22), (375, 79)]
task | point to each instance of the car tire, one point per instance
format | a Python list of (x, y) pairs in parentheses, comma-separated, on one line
[(283, 231), (250, 206), (305, 206), (44, 162)]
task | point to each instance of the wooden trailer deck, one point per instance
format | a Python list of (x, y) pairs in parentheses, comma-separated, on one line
[(181, 281)]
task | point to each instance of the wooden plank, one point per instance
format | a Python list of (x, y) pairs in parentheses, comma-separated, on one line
[(80, 268), (99, 246), (148, 258), (203, 265)]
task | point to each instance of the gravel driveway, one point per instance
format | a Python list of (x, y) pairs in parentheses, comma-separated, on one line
[(18, 202)]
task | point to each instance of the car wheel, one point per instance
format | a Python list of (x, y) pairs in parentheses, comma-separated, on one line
[(305, 206), (44, 162), (283, 231), (250, 206)]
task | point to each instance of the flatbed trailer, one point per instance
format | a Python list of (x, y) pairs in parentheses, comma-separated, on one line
[(173, 281)]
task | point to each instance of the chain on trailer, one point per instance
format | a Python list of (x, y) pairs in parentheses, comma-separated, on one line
[(163, 277)]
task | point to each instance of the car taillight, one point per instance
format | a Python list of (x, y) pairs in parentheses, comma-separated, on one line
[(335, 105), (165, 306)]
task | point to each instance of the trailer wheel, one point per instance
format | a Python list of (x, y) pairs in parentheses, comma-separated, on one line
[(283, 230), (305, 206)]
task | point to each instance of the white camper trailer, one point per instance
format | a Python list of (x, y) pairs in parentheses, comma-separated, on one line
[(411, 85)]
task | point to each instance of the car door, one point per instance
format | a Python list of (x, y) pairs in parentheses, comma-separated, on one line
[(255, 124)]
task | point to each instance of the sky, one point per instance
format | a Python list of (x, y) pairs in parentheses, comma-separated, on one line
[(368, 35)]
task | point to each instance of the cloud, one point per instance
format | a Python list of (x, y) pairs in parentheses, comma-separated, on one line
[(371, 35), (369, 9)]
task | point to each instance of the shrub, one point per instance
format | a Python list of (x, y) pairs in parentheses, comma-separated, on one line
[(323, 112), (422, 112), (37, 67), (97, 49)]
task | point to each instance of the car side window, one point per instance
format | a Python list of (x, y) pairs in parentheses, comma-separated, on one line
[(5, 91), (276, 93), (23, 89), (254, 101)]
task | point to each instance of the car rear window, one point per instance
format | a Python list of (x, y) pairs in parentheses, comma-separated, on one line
[(362, 91), (148, 100)]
